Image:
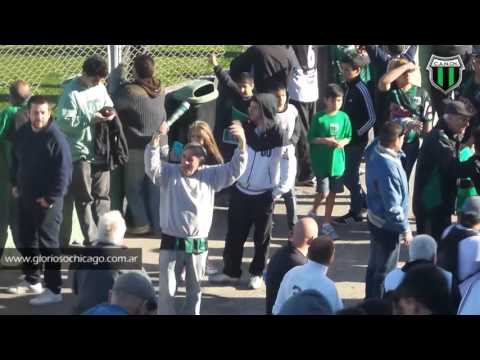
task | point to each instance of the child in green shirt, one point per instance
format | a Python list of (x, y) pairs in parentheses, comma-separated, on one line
[(329, 133)]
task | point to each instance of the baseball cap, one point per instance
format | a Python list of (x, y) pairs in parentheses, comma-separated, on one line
[(308, 302), (456, 107), (472, 206), (137, 284)]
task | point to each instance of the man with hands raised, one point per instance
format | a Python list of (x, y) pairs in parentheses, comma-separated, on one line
[(186, 211)]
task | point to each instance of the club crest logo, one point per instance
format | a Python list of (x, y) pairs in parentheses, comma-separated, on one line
[(445, 72)]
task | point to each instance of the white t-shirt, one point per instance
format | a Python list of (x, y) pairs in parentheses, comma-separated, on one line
[(312, 275), (303, 86)]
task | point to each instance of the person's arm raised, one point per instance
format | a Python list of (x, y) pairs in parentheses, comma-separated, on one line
[(386, 80)]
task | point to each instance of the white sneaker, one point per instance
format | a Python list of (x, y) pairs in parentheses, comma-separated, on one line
[(328, 229), (25, 287), (222, 278), (255, 282), (47, 298)]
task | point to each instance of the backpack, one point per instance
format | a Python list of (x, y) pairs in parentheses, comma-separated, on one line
[(110, 144)]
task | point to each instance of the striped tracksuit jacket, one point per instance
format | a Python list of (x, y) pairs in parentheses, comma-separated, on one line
[(358, 104)]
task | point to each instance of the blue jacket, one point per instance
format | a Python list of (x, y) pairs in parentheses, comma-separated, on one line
[(387, 189)]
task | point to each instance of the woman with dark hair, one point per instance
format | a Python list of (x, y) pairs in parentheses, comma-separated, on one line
[(141, 108)]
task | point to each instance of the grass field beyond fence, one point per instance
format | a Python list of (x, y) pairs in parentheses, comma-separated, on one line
[(50, 65)]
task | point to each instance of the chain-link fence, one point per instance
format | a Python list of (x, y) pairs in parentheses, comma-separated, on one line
[(44, 64), (173, 63), (50, 65)]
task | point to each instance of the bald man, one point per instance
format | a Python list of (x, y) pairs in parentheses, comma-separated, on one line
[(294, 253)]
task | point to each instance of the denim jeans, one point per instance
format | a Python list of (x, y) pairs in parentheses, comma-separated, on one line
[(171, 265), (38, 230), (411, 153), (143, 197), (353, 158), (383, 258)]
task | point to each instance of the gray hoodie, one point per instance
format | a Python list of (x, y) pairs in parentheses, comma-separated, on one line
[(186, 203)]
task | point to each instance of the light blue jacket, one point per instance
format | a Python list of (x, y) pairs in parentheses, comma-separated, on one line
[(387, 189)]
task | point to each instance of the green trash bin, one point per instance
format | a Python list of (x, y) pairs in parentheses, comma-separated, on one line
[(197, 92), (202, 95)]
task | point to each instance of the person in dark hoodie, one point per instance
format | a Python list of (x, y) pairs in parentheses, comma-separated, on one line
[(239, 92), (268, 176), (141, 108), (268, 63), (358, 105), (41, 173), (438, 168), (19, 94)]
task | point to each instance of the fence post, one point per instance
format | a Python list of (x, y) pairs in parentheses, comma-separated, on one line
[(114, 70)]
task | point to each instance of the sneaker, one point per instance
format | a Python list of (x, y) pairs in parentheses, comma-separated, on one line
[(222, 278), (25, 287), (47, 298), (348, 219), (255, 282), (328, 229)]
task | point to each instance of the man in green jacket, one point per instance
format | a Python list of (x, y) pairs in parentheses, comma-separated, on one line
[(19, 95), (78, 111)]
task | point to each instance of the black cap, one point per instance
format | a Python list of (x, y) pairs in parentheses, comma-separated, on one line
[(457, 108)]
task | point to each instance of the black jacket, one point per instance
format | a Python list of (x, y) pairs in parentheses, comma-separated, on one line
[(41, 163), (281, 262), (438, 169), (111, 148), (268, 62), (92, 286), (358, 105), (239, 102)]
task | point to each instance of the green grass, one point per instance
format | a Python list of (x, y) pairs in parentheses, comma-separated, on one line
[(174, 64)]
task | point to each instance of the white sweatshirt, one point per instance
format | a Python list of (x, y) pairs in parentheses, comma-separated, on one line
[(186, 203), (312, 275)]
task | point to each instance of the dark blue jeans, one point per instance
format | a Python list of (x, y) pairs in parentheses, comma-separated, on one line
[(353, 158), (38, 232), (383, 258), (411, 153)]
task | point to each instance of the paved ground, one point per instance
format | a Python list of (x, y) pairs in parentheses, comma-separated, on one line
[(348, 270)]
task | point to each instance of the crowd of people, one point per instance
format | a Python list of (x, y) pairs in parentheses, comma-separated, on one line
[(281, 135)]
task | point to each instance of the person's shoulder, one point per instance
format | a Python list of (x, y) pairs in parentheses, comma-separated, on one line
[(319, 116), (71, 84), (292, 109), (9, 110), (132, 90)]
